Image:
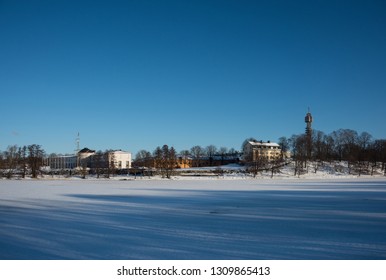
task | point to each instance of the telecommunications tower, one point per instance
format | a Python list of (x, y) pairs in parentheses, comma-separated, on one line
[(308, 120)]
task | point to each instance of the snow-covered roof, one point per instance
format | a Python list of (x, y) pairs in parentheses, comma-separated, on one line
[(261, 143), (120, 152)]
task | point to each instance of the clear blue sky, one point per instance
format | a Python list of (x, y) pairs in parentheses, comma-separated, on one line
[(134, 75)]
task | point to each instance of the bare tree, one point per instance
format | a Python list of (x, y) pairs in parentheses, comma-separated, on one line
[(165, 160), (23, 160), (197, 153), (171, 159), (275, 165), (379, 154), (11, 158), (223, 152), (255, 163), (185, 153), (35, 158), (345, 145), (1, 164), (329, 148), (380, 148), (233, 152), (97, 163), (158, 160), (83, 166), (143, 159), (210, 152), (299, 153), (284, 146), (364, 142), (109, 162), (112, 164)]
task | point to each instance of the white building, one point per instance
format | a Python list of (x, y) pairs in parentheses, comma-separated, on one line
[(84, 158), (62, 161), (120, 159)]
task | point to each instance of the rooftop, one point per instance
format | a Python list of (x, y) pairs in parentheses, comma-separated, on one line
[(261, 143), (86, 150)]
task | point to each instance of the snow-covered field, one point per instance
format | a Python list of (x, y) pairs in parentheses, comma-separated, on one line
[(193, 219)]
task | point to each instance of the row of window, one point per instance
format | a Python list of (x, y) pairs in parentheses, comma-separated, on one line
[(119, 164), (268, 147)]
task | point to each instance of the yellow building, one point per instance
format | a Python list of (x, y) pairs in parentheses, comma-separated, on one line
[(255, 150), (184, 162)]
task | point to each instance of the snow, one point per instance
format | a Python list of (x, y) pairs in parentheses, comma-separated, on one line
[(187, 218)]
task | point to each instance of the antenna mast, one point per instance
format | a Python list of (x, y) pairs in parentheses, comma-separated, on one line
[(77, 141)]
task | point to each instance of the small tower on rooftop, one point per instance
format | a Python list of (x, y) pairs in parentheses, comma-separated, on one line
[(77, 143)]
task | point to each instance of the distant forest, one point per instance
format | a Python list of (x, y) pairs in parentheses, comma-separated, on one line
[(361, 151)]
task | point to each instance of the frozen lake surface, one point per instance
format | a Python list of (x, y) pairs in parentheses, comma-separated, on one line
[(193, 219)]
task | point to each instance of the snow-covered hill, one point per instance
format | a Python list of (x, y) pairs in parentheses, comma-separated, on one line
[(313, 170)]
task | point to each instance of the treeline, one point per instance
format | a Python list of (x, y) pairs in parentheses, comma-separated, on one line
[(166, 159), (361, 151), (22, 161)]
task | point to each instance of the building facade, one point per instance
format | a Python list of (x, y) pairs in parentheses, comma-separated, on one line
[(62, 162), (87, 158), (120, 159), (255, 150)]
